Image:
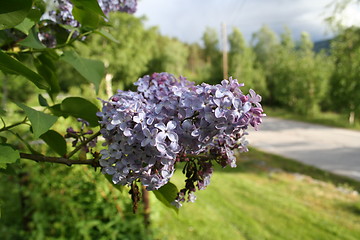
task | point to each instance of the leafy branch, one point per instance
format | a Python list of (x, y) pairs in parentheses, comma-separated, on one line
[(5, 128), (62, 160), (83, 144), (69, 41)]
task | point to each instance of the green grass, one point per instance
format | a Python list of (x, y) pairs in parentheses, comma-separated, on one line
[(324, 118), (266, 197), (273, 162)]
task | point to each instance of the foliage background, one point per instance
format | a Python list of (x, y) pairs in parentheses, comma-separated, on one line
[(47, 201)]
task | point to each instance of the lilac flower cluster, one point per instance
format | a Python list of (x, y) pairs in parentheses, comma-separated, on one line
[(128, 6), (171, 120), (63, 15)]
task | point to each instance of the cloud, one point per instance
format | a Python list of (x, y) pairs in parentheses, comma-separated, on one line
[(188, 19)]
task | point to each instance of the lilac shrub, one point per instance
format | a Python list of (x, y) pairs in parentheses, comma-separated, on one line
[(170, 120), (128, 6), (62, 14)]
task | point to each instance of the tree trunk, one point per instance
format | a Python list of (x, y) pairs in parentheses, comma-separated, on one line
[(352, 118), (108, 84), (146, 200)]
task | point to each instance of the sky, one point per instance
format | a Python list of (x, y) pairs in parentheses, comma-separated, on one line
[(188, 19)]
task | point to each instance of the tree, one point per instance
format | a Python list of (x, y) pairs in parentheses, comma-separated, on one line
[(296, 77), (128, 56), (286, 39), (281, 79), (242, 63), (345, 84), (196, 62), (212, 55), (169, 55), (265, 42), (311, 77), (265, 45)]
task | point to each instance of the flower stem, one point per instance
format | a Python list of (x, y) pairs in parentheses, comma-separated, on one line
[(41, 158), (13, 125), (83, 144)]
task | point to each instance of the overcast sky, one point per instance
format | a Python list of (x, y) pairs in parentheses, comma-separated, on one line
[(188, 19)]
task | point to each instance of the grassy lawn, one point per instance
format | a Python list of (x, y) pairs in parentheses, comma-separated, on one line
[(266, 197), (324, 118)]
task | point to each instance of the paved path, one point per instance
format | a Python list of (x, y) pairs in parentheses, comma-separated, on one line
[(333, 149)]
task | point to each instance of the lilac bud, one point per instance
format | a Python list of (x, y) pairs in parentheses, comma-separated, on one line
[(70, 130)]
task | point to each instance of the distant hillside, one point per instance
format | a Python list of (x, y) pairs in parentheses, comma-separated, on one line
[(320, 45)]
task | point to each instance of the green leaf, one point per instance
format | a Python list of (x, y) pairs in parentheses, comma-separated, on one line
[(88, 6), (13, 12), (87, 19), (59, 32), (32, 40), (42, 101), (25, 26), (3, 139), (38, 9), (5, 38), (81, 108), (40, 122), (167, 194), (107, 35), (9, 170), (46, 68), (11, 65), (8, 155), (56, 110), (88, 13), (91, 70), (55, 141), (117, 186)]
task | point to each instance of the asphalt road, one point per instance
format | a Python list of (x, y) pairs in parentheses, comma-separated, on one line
[(333, 149)]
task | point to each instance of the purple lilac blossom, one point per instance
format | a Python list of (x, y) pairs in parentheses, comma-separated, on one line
[(171, 120), (63, 15), (128, 6)]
